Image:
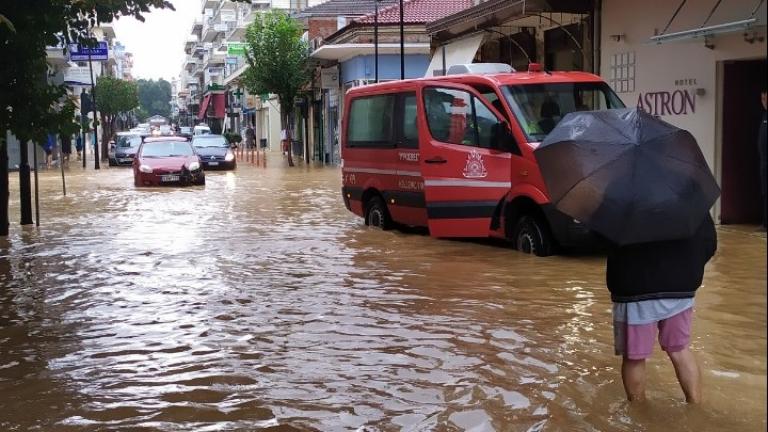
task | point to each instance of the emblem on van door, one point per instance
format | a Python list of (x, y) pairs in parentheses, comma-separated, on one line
[(475, 167)]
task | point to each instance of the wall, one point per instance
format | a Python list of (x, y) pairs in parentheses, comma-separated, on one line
[(362, 67), (678, 81), (322, 27)]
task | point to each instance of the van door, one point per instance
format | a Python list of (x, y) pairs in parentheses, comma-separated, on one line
[(466, 173)]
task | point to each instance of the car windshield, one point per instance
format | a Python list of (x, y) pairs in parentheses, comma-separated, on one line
[(128, 141), (210, 141), (539, 107), (166, 149)]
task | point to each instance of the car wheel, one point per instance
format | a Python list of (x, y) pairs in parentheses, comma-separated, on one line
[(532, 236), (377, 215)]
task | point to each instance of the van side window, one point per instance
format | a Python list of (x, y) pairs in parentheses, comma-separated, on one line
[(370, 121), (449, 116), (410, 132)]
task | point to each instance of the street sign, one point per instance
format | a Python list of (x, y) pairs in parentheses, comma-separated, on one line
[(77, 52), (236, 49)]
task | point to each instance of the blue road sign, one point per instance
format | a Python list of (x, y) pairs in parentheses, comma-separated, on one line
[(78, 52)]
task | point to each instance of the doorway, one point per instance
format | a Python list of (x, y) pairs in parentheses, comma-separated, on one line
[(742, 113)]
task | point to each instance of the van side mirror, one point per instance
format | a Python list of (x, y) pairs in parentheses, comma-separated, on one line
[(505, 140)]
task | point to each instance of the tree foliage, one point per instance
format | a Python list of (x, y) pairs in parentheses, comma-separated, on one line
[(155, 97), (277, 60), (29, 105), (113, 97)]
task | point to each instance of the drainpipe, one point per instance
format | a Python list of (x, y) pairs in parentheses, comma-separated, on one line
[(597, 32)]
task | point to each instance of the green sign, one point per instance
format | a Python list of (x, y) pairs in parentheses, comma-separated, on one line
[(236, 49)]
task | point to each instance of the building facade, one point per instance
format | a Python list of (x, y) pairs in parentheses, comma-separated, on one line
[(702, 70)]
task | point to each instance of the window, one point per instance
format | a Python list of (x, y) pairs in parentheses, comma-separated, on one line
[(540, 107), (458, 117), (166, 149), (623, 72), (370, 121), (410, 133), (202, 141), (487, 125), (449, 116)]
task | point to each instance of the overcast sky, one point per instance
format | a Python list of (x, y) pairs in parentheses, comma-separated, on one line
[(158, 43)]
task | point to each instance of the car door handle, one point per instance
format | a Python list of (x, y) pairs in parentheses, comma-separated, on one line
[(435, 160)]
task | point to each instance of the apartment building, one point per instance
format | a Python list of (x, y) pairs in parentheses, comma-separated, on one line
[(209, 86)]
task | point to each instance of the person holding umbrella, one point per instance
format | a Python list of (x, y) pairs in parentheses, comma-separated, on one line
[(644, 187)]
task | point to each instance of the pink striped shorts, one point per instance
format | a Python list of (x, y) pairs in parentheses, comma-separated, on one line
[(635, 342)]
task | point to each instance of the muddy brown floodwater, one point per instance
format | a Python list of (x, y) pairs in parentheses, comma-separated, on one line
[(258, 302)]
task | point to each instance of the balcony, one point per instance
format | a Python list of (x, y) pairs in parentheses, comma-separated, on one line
[(189, 44), (210, 4), (244, 18), (190, 64)]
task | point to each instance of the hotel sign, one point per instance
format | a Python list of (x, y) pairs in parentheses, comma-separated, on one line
[(681, 101)]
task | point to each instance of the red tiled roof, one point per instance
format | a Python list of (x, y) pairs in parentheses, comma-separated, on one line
[(418, 11)]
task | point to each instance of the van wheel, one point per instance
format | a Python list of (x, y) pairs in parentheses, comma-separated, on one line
[(376, 214), (532, 236)]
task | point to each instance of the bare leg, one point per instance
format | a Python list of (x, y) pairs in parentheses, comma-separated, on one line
[(688, 374), (633, 376)]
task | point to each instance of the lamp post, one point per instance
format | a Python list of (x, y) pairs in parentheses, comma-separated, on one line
[(402, 43)]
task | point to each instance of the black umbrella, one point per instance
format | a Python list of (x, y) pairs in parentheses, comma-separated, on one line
[(627, 175)]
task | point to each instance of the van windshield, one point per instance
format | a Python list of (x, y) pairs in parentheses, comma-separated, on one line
[(539, 107)]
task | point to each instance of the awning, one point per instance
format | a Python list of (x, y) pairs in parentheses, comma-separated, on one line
[(460, 52), (342, 52), (492, 13), (203, 107), (219, 105)]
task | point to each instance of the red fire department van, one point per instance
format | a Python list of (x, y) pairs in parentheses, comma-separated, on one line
[(455, 153)]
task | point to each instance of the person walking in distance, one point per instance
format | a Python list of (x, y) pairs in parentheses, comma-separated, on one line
[(250, 137), (762, 143), (79, 146), (652, 287), (66, 148)]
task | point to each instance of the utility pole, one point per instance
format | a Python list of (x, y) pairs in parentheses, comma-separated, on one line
[(402, 44), (4, 192), (95, 120), (25, 188), (376, 40)]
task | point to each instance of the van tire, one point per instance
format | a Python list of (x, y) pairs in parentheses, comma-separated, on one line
[(532, 236), (377, 215)]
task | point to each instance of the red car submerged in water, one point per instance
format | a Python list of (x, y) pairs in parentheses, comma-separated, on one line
[(167, 161)]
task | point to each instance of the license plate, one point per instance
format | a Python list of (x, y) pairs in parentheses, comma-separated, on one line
[(213, 163), (169, 178), (125, 160)]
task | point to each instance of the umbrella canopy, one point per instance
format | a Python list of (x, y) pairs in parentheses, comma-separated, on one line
[(627, 175)]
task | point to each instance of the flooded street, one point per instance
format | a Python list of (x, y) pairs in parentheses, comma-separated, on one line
[(258, 302)]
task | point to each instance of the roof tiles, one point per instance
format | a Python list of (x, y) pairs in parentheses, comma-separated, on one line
[(417, 11)]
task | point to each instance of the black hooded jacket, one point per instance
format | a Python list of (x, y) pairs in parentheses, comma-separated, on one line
[(666, 269)]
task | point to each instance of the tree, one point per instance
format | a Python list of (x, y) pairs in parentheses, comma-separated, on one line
[(113, 97), (30, 107), (278, 62), (155, 97)]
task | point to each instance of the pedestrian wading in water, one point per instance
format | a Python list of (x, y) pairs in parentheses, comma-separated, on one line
[(652, 287)]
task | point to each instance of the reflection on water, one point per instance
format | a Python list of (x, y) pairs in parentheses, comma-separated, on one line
[(259, 302)]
